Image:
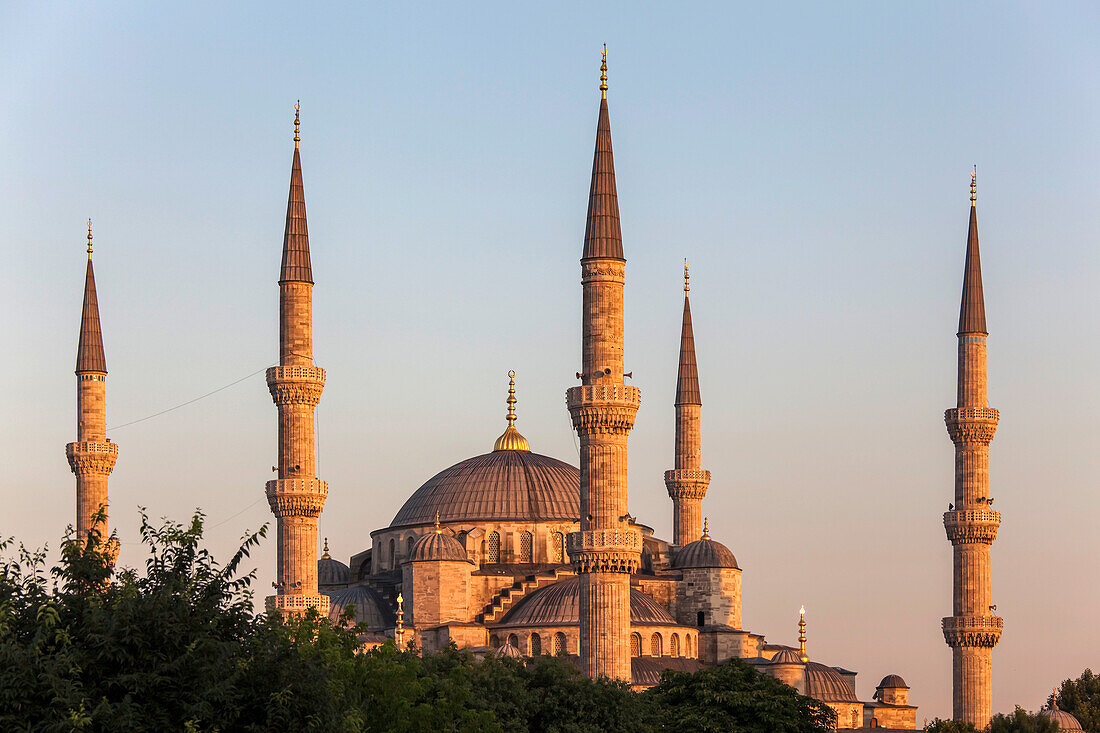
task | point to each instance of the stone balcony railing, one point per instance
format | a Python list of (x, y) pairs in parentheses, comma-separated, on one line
[(970, 425), (605, 550), (972, 631), (92, 457), (687, 483), (295, 604), (972, 526), (291, 497)]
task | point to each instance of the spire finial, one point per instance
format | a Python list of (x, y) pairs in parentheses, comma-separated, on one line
[(437, 529), (511, 398), (974, 186), (89, 239), (1054, 698), (297, 108), (687, 277), (802, 634), (706, 528), (511, 438), (325, 555), (399, 632), (603, 73)]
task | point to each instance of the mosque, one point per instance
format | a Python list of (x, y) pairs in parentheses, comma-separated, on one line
[(515, 553)]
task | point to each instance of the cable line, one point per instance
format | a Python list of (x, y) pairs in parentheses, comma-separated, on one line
[(189, 402)]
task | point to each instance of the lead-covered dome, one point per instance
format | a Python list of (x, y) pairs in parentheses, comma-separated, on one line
[(704, 553), (825, 684), (330, 571), (370, 608), (1066, 723), (505, 485), (559, 605), (787, 656), (439, 546), (893, 681)]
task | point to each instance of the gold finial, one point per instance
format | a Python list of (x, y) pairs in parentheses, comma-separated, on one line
[(511, 438), (297, 108), (687, 277), (1054, 698), (706, 530), (325, 555), (437, 529), (89, 239), (603, 73), (399, 632), (802, 635), (974, 186)]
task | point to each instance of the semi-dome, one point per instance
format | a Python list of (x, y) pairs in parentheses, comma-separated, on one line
[(704, 553), (370, 608), (825, 684), (505, 485), (439, 546), (1067, 723), (892, 680), (559, 605), (787, 656), (330, 571), (508, 651)]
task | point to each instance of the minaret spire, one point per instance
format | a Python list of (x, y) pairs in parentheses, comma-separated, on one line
[(297, 496), (687, 483), (607, 549), (92, 457), (972, 630)]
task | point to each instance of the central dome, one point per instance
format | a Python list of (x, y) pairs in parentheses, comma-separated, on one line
[(505, 485)]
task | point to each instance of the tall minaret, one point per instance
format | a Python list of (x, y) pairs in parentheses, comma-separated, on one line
[(92, 457), (607, 549), (687, 483), (297, 496), (972, 630)]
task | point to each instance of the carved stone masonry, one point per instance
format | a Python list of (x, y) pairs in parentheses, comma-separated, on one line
[(605, 551), (972, 631), (603, 409), (972, 527), (687, 483), (976, 425), (91, 457), (296, 385), (296, 497)]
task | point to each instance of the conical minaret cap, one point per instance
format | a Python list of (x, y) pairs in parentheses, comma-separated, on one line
[(972, 311), (602, 236), (89, 350), (687, 379), (295, 266)]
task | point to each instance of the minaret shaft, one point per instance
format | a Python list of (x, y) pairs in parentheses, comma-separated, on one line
[(608, 548), (972, 630), (297, 496)]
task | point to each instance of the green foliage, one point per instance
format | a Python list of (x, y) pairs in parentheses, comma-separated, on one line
[(939, 725), (734, 697), (1021, 721), (178, 647), (1081, 697)]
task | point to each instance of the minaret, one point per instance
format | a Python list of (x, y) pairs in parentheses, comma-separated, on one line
[(92, 457), (972, 630), (297, 496), (607, 549), (687, 483)]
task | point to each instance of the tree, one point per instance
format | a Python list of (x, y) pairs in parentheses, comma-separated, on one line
[(1021, 721), (733, 697), (939, 725), (1081, 698)]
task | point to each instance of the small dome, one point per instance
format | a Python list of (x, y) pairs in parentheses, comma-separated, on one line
[(508, 651), (559, 605), (1066, 722), (370, 608), (825, 684), (331, 572), (892, 680), (505, 485), (787, 656), (704, 553), (438, 546)]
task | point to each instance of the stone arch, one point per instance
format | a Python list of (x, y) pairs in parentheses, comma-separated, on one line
[(513, 640), (526, 547), (561, 646), (559, 547), (393, 553), (655, 646), (674, 645), (494, 547), (536, 645), (409, 545), (635, 645)]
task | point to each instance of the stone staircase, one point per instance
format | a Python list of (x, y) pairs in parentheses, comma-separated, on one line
[(508, 596)]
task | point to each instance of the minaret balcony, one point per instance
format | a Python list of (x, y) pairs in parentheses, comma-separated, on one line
[(92, 457), (298, 604), (972, 526), (972, 631), (296, 384), (971, 424), (605, 550), (687, 483), (291, 497), (603, 408)]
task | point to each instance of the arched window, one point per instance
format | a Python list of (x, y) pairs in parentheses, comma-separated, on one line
[(494, 547), (699, 619), (635, 645), (559, 547), (526, 553), (560, 646), (409, 546), (674, 645), (513, 640), (536, 645), (689, 643), (393, 557), (655, 645)]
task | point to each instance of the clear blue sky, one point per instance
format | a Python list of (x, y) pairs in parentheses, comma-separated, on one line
[(811, 161)]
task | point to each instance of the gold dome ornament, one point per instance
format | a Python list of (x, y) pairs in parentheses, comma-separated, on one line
[(511, 438)]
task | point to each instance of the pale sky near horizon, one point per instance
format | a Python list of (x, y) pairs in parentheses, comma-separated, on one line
[(812, 161)]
